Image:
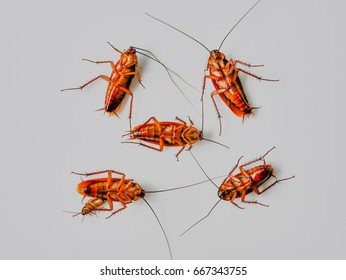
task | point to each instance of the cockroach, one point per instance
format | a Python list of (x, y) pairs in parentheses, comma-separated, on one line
[(118, 82), (91, 206), (121, 77), (167, 134), (244, 183), (224, 75), (110, 190)]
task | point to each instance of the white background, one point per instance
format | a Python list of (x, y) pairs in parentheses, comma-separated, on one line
[(47, 134)]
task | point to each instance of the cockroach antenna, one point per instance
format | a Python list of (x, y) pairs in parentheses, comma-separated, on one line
[(186, 186), (234, 26), (182, 32), (200, 220), (205, 173), (169, 71), (224, 75), (164, 233)]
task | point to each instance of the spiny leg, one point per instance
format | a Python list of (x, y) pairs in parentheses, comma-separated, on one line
[(255, 160), (255, 76), (234, 196), (232, 63), (232, 67), (93, 80), (262, 158), (218, 114), (113, 213), (138, 76), (145, 145), (130, 93), (250, 201), (99, 172), (247, 64), (182, 148), (101, 62), (255, 202), (276, 181), (234, 168), (235, 204), (179, 119), (216, 108), (204, 83)]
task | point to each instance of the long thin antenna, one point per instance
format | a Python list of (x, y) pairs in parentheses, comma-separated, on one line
[(215, 142), (171, 26), (186, 186), (203, 170), (202, 101), (169, 71), (237, 24), (164, 233), (200, 220), (72, 212), (276, 181)]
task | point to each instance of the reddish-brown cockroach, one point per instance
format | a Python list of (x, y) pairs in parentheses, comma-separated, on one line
[(113, 189), (121, 77), (243, 183), (167, 134), (118, 82), (90, 206), (224, 75), (110, 190)]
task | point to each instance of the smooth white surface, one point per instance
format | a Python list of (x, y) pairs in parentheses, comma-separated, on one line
[(47, 134)]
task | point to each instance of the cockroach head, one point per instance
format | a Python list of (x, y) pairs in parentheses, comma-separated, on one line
[(142, 193), (220, 194), (86, 210), (139, 192), (131, 50), (226, 195), (192, 135), (216, 54)]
